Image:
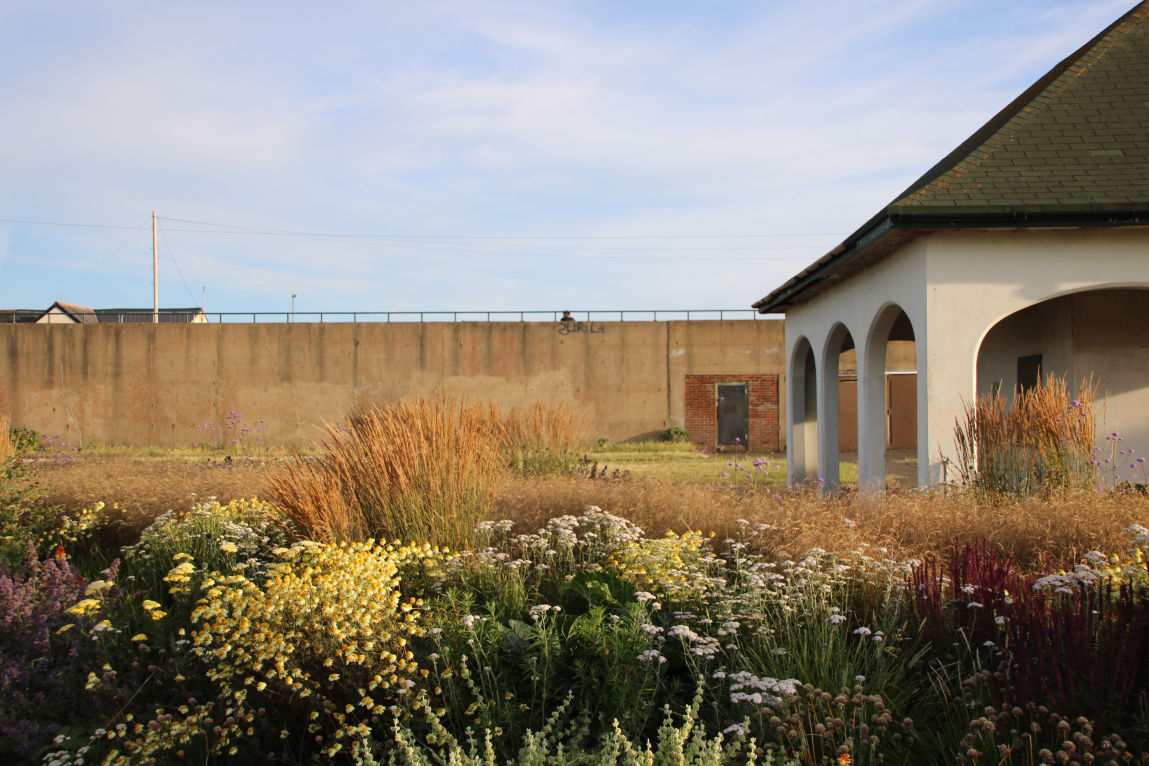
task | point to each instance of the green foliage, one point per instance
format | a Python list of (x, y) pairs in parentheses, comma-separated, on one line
[(685, 743), (676, 434), (587, 642), (588, 589), (24, 519)]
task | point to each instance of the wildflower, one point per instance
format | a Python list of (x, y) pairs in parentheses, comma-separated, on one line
[(140, 637), (83, 607), (96, 586)]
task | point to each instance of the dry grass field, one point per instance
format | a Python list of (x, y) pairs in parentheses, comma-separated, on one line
[(672, 488)]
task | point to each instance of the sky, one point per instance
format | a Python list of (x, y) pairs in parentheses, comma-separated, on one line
[(480, 156)]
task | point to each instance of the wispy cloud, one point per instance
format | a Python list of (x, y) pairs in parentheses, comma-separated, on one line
[(523, 119)]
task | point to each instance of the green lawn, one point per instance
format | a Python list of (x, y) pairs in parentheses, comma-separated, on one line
[(682, 462)]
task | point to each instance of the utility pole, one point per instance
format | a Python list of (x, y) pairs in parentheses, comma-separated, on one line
[(155, 275), (293, 307)]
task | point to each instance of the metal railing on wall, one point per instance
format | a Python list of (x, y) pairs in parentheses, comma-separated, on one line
[(249, 317), (628, 315)]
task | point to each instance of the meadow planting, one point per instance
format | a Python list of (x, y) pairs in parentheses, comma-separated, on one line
[(444, 583)]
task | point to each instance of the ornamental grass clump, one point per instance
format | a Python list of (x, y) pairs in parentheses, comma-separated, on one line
[(1041, 440), (7, 443), (418, 470), (1073, 643), (539, 439)]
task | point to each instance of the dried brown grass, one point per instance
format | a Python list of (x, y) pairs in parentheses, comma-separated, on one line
[(7, 446), (538, 439), (416, 470), (1037, 532), (1038, 441), (142, 488)]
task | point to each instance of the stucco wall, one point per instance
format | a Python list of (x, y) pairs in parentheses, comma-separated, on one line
[(955, 286), (860, 307), (1102, 333), (156, 384), (978, 278)]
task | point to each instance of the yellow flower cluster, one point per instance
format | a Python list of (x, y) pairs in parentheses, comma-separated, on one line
[(243, 509), (180, 575), (327, 627), (673, 565)]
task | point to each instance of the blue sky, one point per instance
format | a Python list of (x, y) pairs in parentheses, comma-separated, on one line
[(372, 156)]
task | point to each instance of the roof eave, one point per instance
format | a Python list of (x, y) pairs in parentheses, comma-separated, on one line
[(891, 219)]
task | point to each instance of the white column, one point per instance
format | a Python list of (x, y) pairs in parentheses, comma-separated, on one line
[(801, 447), (872, 412), (828, 447)]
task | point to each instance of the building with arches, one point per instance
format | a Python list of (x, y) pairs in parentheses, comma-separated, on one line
[(1022, 253)]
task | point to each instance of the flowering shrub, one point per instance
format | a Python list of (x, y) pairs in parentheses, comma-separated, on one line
[(581, 640), (238, 536), (45, 660), (324, 640)]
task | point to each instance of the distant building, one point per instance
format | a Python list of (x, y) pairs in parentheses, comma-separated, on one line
[(132, 316), (67, 313)]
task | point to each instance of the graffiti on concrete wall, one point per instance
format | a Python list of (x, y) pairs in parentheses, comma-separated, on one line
[(568, 328)]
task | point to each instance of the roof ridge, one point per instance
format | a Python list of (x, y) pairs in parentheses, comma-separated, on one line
[(1021, 111)]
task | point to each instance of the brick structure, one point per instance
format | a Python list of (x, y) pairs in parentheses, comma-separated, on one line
[(702, 410)]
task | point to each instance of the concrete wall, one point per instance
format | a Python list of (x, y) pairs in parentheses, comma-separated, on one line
[(160, 384)]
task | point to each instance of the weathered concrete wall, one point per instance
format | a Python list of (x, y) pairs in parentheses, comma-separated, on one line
[(158, 384)]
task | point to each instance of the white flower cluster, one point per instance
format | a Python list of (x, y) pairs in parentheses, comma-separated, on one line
[(747, 687)]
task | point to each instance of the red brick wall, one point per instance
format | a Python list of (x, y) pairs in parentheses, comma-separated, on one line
[(702, 409)]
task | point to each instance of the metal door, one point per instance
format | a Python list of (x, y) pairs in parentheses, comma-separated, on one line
[(733, 413)]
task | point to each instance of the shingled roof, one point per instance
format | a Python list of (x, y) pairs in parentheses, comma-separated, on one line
[(1072, 150)]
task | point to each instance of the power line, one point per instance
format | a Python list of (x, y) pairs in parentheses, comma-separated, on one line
[(102, 263), (578, 247), (60, 223), (239, 229), (172, 255)]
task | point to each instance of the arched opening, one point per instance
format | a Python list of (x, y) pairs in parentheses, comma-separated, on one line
[(802, 446), (837, 406), (1098, 333), (889, 393)]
